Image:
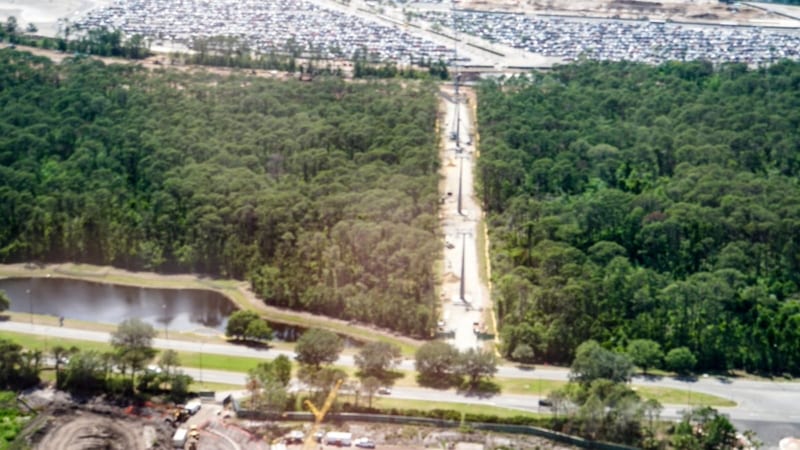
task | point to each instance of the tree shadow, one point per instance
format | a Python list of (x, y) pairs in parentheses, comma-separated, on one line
[(257, 345), (724, 379), (442, 382), (482, 389), (650, 377), (686, 378)]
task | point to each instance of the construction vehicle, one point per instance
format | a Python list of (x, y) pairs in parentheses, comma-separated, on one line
[(179, 438), (176, 416), (319, 415), (194, 437)]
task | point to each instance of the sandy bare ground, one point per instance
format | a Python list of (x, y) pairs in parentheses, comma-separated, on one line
[(45, 14)]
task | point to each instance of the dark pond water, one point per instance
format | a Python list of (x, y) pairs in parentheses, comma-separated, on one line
[(178, 309)]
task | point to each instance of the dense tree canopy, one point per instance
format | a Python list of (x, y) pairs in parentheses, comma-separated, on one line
[(323, 195), (634, 202)]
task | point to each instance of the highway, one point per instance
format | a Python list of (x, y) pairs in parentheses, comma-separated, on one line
[(770, 408)]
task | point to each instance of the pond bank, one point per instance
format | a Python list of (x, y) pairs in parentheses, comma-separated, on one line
[(237, 291)]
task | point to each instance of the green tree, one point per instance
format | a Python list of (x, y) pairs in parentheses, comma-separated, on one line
[(12, 366), (169, 361), (133, 343), (376, 359), (476, 365), (283, 369), (316, 347), (370, 386), (179, 387), (11, 25), (523, 353), (267, 385), (84, 373), (5, 302), (321, 380), (436, 363), (680, 360), (645, 353), (593, 362), (705, 428), (59, 354), (258, 330), (238, 323)]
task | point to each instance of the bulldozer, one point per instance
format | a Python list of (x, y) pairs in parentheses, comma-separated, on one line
[(176, 416)]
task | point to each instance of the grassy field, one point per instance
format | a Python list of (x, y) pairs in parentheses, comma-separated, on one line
[(424, 405)]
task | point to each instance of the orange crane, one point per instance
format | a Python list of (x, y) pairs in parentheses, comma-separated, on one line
[(319, 415)]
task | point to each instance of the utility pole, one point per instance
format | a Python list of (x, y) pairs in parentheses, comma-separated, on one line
[(463, 265), (458, 124), (460, 174), (461, 290)]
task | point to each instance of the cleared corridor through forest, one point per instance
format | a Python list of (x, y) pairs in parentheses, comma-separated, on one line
[(465, 307)]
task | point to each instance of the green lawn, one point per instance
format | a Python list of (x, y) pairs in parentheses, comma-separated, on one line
[(424, 405), (187, 359)]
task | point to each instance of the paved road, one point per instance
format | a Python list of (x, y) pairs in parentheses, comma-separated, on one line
[(757, 400), (772, 409)]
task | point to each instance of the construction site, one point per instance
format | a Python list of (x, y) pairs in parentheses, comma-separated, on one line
[(63, 423)]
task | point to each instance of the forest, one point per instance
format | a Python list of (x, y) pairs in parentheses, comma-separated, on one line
[(628, 201), (322, 194)]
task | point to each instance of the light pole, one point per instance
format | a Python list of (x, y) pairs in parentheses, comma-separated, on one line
[(30, 305), (166, 321), (463, 267), (201, 361)]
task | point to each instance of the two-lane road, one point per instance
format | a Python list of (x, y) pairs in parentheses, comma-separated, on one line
[(772, 409)]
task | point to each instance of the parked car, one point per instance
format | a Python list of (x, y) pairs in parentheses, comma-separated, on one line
[(294, 437), (383, 390), (364, 443)]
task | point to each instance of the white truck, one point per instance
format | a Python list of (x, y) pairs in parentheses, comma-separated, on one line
[(179, 438), (193, 406)]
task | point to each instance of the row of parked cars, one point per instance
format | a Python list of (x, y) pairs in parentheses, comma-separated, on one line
[(332, 438)]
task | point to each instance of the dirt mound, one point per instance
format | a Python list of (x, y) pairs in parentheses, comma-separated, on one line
[(450, 277), (86, 429), (91, 431)]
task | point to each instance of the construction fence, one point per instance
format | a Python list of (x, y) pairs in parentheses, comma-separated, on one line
[(441, 423)]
